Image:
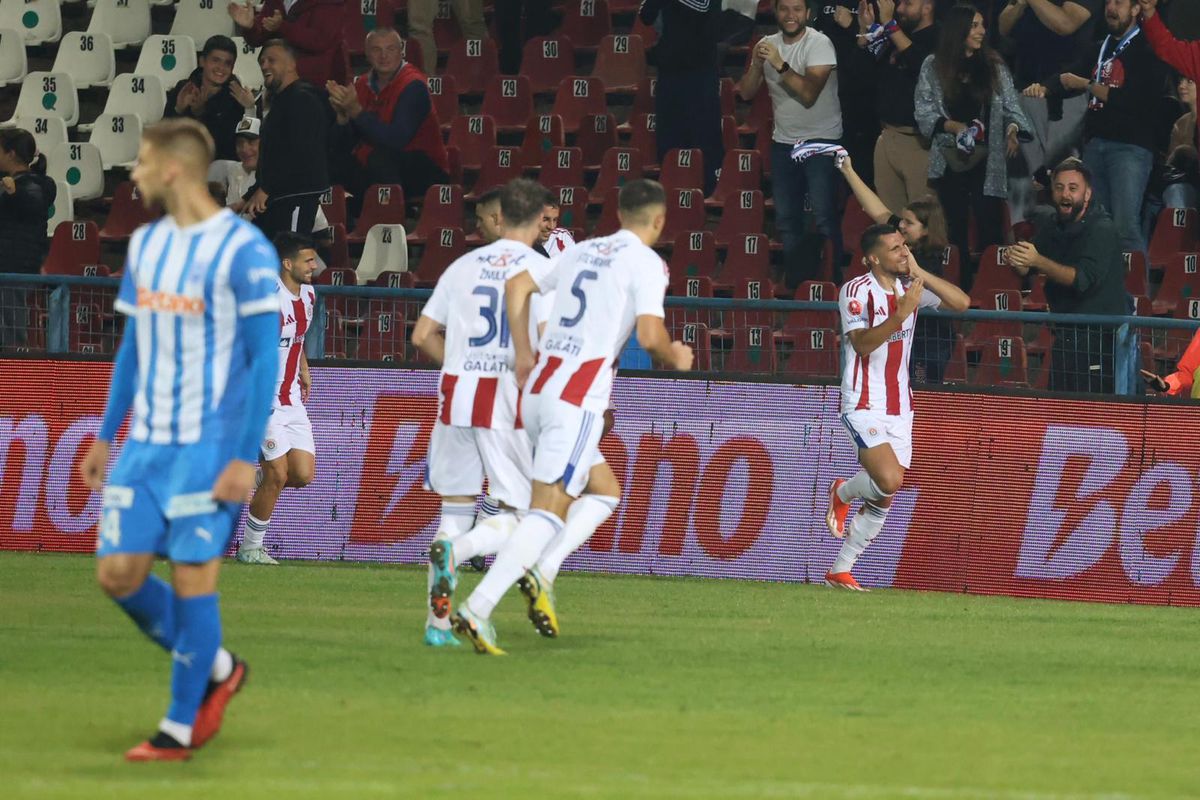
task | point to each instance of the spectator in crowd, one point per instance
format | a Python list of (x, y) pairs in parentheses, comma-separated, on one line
[(1124, 83), (389, 118), (235, 178), (966, 103), (687, 102), (737, 24), (1182, 157), (489, 224), (213, 95), (923, 225), (26, 195), (552, 240), (312, 27), (800, 69), (1185, 380), (512, 35), (1184, 57), (856, 75), (1047, 36), (1077, 250), (293, 169), (909, 35), (421, 13)]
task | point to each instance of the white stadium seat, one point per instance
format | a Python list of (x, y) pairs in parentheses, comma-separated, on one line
[(63, 208), (13, 64), (247, 69), (78, 165), (48, 94), (126, 21), (201, 19), (48, 132), (117, 137), (171, 58), (137, 94), (385, 250), (88, 57), (39, 21)]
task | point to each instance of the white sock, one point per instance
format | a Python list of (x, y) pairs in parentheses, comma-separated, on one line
[(485, 539), (256, 531), (862, 486), (222, 666), (457, 519), (490, 507), (177, 731), (866, 526), (518, 555), (586, 514)]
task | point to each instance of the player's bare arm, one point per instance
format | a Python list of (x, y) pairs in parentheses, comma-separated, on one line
[(305, 378), (653, 336), (517, 291), (953, 298), (427, 337), (868, 340)]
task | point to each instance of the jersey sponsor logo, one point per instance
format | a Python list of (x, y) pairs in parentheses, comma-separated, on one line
[(170, 303)]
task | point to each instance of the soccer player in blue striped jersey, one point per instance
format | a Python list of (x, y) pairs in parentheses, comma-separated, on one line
[(197, 364)]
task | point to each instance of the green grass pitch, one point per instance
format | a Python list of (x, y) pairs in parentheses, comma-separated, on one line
[(657, 689)]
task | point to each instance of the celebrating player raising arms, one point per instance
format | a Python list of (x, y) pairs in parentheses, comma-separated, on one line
[(197, 363), (879, 312), (608, 286), (288, 454)]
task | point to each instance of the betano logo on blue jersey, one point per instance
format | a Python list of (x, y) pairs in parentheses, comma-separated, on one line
[(170, 302)]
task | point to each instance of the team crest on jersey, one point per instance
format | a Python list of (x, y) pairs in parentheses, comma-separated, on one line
[(872, 432), (269, 444), (855, 306)]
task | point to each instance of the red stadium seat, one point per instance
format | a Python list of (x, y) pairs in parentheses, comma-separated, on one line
[(382, 336), (500, 165), (333, 204), (544, 60), (383, 204), (951, 264), (127, 213), (694, 254), (748, 258), (1035, 300), (562, 166), (818, 292), (994, 274), (685, 212), (74, 245), (1002, 363), (85, 329), (395, 280), (473, 63), (985, 330), (620, 164), (1181, 281), (760, 116), (956, 368), (757, 290), (577, 97), (740, 170), (729, 135), (643, 98), (1135, 273), (509, 102), (443, 208), (620, 62), (337, 251), (762, 143), (854, 222), (682, 169), (597, 134), (441, 249), (692, 286), (727, 94), (745, 212), (446, 32), (609, 222), (647, 32), (813, 353), (798, 323), (1174, 232), (473, 136), (644, 140), (586, 22), (753, 351), (443, 94), (541, 134), (572, 206)]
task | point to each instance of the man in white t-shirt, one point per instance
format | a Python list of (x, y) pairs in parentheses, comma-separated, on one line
[(799, 66), (879, 313)]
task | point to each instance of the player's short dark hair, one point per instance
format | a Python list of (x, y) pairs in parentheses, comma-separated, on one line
[(521, 202), (1071, 165), (638, 195), (280, 43), (289, 244), (488, 197), (219, 43), (551, 198), (872, 235)]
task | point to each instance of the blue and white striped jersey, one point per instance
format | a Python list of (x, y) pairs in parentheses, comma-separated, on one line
[(187, 288)]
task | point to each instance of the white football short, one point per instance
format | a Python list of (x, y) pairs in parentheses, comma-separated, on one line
[(288, 428), (871, 428), (566, 441), (460, 457)]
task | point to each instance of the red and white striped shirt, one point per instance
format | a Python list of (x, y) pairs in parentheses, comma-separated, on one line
[(295, 318), (560, 239), (478, 388), (877, 381)]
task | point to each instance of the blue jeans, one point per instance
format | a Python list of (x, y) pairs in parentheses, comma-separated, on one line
[(1120, 173), (790, 182)]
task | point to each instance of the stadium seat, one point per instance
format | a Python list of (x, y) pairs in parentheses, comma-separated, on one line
[(127, 22), (643, 101), (473, 136), (746, 212), (693, 286), (201, 19), (473, 63), (117, 137), (760, 116), (985, 330), (169, 58), (756, 290), (382, 336), (1181, 281), (73, 245), (77, 164), (762, 143), (442, 247), (608, 223), (383, 204), (620, 62), (572, 206), (500, 165), (597, 134), (333, 205), (385, 250), (951, 263), (87, 58), (336, 251), (137, 94), (443, 208), (85, 329), (643, 139), (729, 135), (38, 21), (797, 324), (359, 17), (854, 222), (509, 102), (812, 353), (1174, 232), (395, 280), (1135, 273), (336, 276), (586, 22), (246, 67), (62, 209), (620, 164), (50, 94), (1035, 298), (1002, 363), (748, 258), (994, 274), (682, 169), (818, 292), (562, 166), (577, 97), (697, 336), (727, 96), (694, 254), (443, 92), (544, 60), (685, 212), (753, 351), (13, 63), (542, 133), (956, 368), (740, 170), (48, 132), (126, 214), (648, 33)]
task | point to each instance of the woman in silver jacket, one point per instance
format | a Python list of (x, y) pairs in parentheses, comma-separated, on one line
[(967, 106)]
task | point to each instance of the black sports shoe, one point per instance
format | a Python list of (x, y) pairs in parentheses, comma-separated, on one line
[(479, 563)]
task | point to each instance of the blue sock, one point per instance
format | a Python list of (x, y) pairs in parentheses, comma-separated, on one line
[(152, 607), (199, 621)]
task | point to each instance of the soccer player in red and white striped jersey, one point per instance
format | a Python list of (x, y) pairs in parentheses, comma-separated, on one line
[(879, 312), (288, 455)]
